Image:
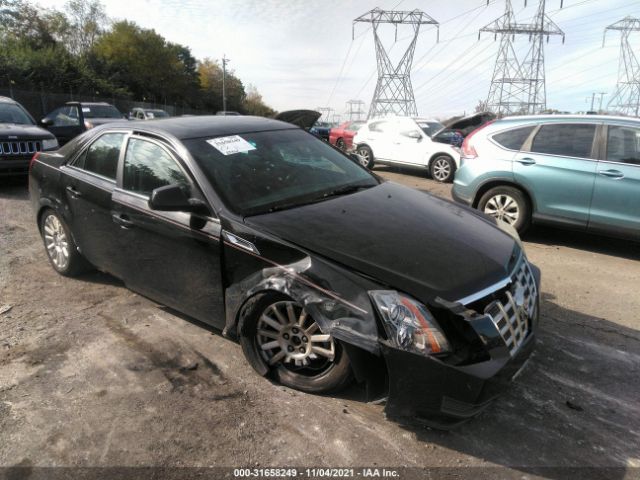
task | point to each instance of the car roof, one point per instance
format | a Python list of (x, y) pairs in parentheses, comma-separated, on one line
[(7, 100), (89, 103), (565, 117), (203, 126)]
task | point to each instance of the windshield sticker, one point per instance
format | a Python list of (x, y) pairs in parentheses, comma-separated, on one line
[(86, 109), (230, 145)]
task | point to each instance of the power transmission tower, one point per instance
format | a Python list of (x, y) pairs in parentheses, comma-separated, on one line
[(518, 84), (325, 114), (626, 99), (355, 110), (394, 92)]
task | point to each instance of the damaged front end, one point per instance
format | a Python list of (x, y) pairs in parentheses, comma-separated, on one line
[(440, 363), (489, 339)]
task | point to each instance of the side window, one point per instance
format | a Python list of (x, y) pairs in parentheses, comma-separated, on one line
[(379, 127), (565, 140), (148, 166), (514, 138), (65, 117), (102, 155), (623, 145)]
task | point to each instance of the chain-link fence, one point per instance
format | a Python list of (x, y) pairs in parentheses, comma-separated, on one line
[(40, 104)]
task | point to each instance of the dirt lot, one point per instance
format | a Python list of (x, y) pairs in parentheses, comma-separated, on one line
[(92, 374)]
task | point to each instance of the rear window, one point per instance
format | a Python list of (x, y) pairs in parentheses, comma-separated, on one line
[(100, 111), (514, 138), (565, 140)]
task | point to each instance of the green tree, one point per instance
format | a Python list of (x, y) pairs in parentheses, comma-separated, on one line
[(254, 104), (87, 20), (210, 74)]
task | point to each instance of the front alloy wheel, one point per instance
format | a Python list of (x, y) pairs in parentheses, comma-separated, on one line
[(288, 343)]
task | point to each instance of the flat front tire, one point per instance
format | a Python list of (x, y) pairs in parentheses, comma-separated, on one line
[(508, 204), (280, 338), (61, 249)]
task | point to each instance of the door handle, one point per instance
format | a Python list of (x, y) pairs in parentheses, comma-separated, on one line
[(74, 193), (122, 220), (615, 174), (526, 161)]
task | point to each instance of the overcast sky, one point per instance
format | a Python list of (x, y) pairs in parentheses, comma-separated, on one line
[(300, 53)]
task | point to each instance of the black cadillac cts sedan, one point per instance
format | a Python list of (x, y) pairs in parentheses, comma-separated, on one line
[(322, 270)]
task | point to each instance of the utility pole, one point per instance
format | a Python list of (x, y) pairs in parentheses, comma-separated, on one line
[(394, 92), (626, 98), (518, 84), (224, 75), (355, 109)]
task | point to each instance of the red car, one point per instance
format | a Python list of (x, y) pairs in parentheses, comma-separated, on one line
[(342, 136)]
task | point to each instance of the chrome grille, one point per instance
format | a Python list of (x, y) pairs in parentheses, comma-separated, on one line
[(512, 314), (22, 147)]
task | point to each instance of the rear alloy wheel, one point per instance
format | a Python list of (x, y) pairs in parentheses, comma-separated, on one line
[(366, 156), (60, 246), (509, 205), (288, 342), (442, 168), (341, 145)]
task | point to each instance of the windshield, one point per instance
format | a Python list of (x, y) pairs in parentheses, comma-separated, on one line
[(100, 111), (430, 127), (276, 170), (12, 113)]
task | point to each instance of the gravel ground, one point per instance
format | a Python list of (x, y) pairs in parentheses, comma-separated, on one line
[(92, 374)]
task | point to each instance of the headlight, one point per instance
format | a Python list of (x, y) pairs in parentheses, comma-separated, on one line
[(408, 323), (49, 144)]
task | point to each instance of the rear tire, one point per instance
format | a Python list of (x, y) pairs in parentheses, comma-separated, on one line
[(341, 145), (366, 155), (275, 340), (61, 249), (442, 168), (508, 204)]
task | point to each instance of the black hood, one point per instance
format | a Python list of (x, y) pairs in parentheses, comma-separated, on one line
[(468, 124), (16, 131), (301, 118), (404, 238)]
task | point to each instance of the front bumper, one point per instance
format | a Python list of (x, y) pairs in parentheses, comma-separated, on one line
[(444, 396), (14, 166)]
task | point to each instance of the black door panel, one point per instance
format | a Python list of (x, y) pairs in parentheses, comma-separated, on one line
[(174, 257)]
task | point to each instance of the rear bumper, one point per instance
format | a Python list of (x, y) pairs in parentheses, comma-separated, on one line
[(14, 166), (459, 197)]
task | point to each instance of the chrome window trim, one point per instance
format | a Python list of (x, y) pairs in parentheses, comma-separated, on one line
[(78, 173)]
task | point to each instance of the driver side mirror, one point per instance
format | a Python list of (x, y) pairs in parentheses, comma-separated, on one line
[(46, 122), (172, 198), (413, 134)]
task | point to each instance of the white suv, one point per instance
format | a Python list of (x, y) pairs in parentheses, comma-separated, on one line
[(407, 141)]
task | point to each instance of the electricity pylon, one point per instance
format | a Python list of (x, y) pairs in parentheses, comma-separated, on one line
[(355, 109), (626, 99), (394, 92), (325, 114), (518, 84)]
